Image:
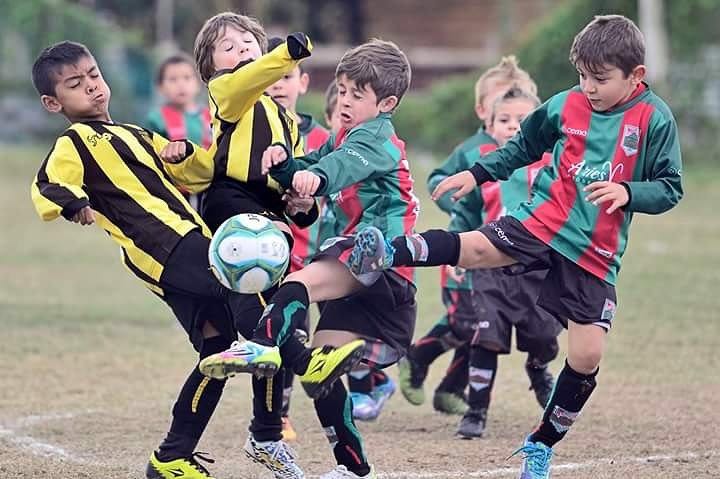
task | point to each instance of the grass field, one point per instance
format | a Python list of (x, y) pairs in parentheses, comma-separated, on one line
[(91, 362)]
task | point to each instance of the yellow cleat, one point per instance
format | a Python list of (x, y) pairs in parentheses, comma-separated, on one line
[(328, 364), (246, 357), (186, 467)]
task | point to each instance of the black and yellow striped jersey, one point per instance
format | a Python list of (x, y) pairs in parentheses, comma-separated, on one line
[(115, 169), (245, 121)]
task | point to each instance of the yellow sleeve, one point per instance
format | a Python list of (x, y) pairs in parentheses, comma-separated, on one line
[(195, 172), (58, 186), (234, 92)]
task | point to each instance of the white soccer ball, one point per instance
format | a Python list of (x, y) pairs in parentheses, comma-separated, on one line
[(248, 253)]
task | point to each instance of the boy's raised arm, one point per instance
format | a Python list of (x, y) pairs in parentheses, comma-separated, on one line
[(188, 164), (58, 186), (537, 134), (233, 92)]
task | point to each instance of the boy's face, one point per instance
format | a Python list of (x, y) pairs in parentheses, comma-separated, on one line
[(610, 87), (287, 89), (508, 116), (180, 84), (357, 105), (485, 108), (234, 46), (81, 93)]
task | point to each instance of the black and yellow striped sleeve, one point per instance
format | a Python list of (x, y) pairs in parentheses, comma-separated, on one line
[(195, 172), (58, 186), (233, 92)]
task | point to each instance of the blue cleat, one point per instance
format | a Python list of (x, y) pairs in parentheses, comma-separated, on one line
[(364, 407), (372, 253), (536, 460)]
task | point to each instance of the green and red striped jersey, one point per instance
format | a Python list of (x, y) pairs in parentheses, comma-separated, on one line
[(306, 240), (366, 174), (635, 144), (175, 124), (463, 157)]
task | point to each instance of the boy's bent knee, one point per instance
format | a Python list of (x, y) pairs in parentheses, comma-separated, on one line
[(476, 251)]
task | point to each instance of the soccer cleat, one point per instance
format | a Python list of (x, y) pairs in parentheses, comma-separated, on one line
[(382, 392), (371, 252), (541, 382), (328, 364), (364, 407), (276, 456), (288, 431), (245, 357), (472, 424), (186, 467), (536, 460), (342, 472), (411, 376), (449, 403)]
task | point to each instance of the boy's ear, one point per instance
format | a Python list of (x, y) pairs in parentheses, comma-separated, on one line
[(51, 103), (638, 74), (388, 103), (304, 82), (480, 111)]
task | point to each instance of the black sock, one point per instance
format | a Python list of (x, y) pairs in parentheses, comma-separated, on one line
[(427, 349), (333, 410), (295, 355), (194, 407), (266, 424), (572, 390), (483, 369), (289, 378), (360, 379), (456, 376), (286, 310), (431, 248)]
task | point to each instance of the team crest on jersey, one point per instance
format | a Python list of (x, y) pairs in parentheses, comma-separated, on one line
[(608, 311), (630, 139)]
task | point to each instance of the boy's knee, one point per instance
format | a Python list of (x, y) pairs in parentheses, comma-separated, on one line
[(585, 361)]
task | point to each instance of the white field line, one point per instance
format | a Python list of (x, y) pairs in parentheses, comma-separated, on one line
[(572, 466)]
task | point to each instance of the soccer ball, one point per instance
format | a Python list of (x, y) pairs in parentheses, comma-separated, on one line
[(248, 253)]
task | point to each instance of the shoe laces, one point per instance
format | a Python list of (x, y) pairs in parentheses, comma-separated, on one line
[(537, 457), (203, 456), (280, 451)]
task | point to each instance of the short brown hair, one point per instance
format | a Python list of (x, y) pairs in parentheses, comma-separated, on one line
[(211, 31), (379, 63), (176, 59), (609, 40), (506, 72), (514, 93)]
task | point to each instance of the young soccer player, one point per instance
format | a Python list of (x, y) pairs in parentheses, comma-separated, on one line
[(110, 173), (456, 327), (615, 153), (229, 56), (286, 92), (501, 301), (364, 170), (180, 117)]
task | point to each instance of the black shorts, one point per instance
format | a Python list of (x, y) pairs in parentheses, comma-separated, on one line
[(461, 313), (225, 199), (504, 301), (383, 313), (568, 291), (195, 295)]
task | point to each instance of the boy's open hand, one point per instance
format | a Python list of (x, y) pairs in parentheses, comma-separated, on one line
[(604, 191), (86, 216), (463, 182), (174, 152), (296, 204), (305, 183), (273, 155)]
